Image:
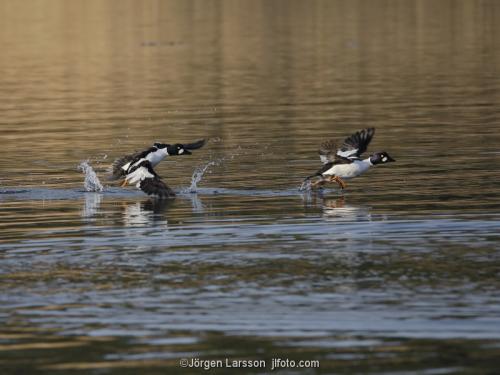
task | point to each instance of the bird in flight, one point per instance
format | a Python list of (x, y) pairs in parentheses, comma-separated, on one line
[(346, 161), (137, 168)]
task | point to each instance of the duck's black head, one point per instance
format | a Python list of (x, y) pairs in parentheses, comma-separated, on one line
[(380, 158)]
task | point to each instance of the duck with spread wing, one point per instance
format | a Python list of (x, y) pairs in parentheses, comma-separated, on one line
[(137, 168), (345, 162)]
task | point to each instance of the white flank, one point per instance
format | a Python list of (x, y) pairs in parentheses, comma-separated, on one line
[(351, 170), (125, 167), (157, 156)]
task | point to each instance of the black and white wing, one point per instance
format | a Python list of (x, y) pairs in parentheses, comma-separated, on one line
[(195, 145), (121, 165), (146, 179), (155, 187), (356, 144), (351, 149), (327, 152)]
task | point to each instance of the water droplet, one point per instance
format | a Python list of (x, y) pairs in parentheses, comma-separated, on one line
[(305, 186), (199, 172), (91, 182)]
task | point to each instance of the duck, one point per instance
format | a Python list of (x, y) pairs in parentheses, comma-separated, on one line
[(346, 162), (154, 154), (138, 168)]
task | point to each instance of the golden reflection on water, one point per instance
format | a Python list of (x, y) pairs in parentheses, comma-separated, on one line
[(89, 78), (409, 245)]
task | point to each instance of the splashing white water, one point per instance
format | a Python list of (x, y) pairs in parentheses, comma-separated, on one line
[(198, 174), (200, 171), (305, 186), (91, 182)]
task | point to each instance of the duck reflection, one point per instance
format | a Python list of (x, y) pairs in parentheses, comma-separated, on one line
[(150, 212), (338, 209), (147, 213)]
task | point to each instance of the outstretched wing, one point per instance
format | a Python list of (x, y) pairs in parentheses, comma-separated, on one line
[(356, 144), (195, 145), (155, 187), (119, 167), (149, 182), (327, 152), (117, 170)]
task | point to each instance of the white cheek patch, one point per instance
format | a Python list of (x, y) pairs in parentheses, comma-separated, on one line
[(181, 151), (384, 159)]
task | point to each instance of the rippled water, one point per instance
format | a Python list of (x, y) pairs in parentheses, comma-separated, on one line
[(398, 274)]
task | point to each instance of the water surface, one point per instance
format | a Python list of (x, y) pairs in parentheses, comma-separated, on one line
[(400, 273)]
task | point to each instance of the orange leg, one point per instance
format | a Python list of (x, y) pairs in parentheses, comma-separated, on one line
[(327, 179), (339, 181), (318, 183), (124, 183)]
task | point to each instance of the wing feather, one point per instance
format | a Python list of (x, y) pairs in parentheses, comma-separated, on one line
[(356, 144), (327, 151), (149, 181), (351, 149), (117, 170), (154, 186), (195, 145)]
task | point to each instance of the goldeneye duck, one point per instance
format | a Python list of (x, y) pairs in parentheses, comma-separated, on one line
[(155, 154), (345, 162)]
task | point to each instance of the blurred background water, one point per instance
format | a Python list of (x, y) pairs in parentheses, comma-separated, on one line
[(399, 274)]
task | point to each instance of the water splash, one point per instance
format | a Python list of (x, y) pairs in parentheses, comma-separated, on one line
[(200, 171), (198, 174), (305, 186), (91, 182)]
